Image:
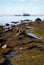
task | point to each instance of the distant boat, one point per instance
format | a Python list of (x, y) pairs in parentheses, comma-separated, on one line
[(26, 14)]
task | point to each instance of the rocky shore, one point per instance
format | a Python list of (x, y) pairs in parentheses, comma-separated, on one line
[(22, 44)]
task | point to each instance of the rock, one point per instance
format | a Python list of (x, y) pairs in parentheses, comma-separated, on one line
[(4, 46)]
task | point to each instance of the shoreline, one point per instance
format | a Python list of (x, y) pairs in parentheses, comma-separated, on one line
[(19, 39)]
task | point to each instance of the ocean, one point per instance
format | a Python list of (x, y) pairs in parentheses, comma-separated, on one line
[(9, 19)]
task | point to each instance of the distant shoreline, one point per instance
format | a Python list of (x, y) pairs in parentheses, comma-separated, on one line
[(21, 15)]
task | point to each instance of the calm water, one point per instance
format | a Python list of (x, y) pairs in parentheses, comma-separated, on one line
[(9, 19)]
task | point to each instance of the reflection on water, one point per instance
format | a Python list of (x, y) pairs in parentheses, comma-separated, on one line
[(8, 55), (6, 62), (12, 53)]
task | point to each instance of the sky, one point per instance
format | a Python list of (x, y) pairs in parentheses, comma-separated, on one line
[(11, 7)]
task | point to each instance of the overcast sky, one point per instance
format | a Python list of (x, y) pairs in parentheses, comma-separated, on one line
[(22, 6)]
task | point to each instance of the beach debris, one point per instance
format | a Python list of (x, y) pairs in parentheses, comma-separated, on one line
[(28, 27), (32, 35), (21, 33), (4, 46)]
